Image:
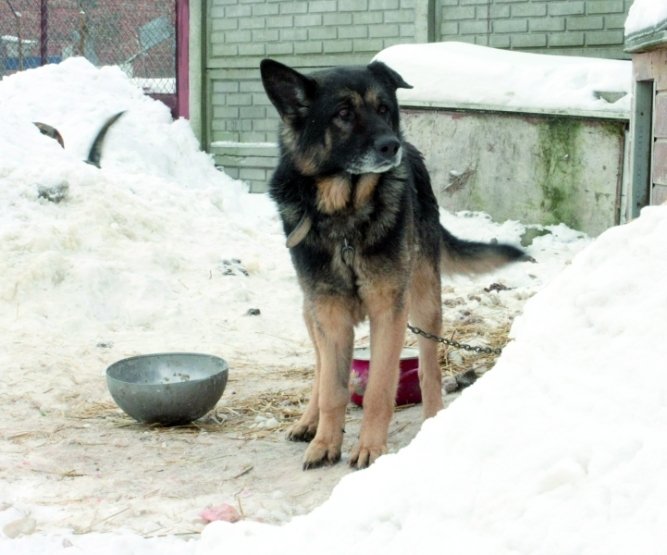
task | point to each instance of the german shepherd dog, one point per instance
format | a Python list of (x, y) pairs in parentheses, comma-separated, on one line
[(95, 152), (362, 225)]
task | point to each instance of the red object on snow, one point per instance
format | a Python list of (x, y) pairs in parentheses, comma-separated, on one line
[(408, 392), (223, 512)]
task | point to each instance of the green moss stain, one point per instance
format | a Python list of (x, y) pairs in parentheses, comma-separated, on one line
[(561, 169)]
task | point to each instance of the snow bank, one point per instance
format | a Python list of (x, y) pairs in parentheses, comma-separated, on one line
[(459, 74), (76, 100), (645, 16), (559, 450), (99, 251), (133, 254)]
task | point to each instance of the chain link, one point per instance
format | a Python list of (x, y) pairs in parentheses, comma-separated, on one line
[(454, 343)]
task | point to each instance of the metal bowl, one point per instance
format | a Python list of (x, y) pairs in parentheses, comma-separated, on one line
[(167, 388)]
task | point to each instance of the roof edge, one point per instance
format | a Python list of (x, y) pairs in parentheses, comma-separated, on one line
[(647, 39)]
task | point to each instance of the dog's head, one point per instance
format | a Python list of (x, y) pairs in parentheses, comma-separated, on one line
[(340, 120)]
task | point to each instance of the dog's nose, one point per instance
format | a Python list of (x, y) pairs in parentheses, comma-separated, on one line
[(387, 146)]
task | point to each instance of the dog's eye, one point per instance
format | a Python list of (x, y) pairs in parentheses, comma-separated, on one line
[(345, 114), (383, 109)]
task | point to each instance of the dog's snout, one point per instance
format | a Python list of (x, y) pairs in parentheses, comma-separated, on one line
[(387, 146)]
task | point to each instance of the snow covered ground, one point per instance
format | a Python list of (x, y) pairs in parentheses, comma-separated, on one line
[(559, 449)]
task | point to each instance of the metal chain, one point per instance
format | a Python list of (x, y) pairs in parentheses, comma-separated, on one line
[(453, 342)]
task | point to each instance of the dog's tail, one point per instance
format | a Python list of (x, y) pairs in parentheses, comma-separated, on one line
[(459, 256), (95, 153)]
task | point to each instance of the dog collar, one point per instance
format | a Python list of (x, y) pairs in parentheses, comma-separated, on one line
[(299, 232)]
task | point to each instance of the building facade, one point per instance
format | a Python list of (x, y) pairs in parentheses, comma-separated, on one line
[(648, 163), (231, 113)]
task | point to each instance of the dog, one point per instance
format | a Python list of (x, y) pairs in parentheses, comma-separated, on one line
[(363, 230), (95, 153)]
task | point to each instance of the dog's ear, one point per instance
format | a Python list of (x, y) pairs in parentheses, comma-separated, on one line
[(383, 71), (289, 91)]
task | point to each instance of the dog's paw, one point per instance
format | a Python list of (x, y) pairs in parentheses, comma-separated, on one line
[(365, 455), (302, 432), (320, 453)]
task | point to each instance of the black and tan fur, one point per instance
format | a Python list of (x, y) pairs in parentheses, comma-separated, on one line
[(50, 131), (95, 153), (362, 225)]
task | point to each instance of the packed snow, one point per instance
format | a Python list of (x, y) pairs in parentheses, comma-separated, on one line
[(454, 74), (645, 16), (558, 449)]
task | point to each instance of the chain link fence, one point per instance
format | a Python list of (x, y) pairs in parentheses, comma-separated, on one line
[(137, 36)]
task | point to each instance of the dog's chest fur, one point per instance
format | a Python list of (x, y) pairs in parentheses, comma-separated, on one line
[(360, 227)]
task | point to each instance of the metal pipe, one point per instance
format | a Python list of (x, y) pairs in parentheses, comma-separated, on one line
[(44, 33)]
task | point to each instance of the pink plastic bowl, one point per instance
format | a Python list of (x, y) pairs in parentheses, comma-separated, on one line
[(408, 392)]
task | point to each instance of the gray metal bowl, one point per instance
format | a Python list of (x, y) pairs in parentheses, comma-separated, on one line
[(167, 388)]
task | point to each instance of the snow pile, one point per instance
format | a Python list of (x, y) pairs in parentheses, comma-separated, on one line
[(559, 450), (131, 258), (145, 140), (459, 74), (645, 16), (103, 249)]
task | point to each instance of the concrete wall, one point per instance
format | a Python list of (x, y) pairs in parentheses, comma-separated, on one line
[(539, 169)]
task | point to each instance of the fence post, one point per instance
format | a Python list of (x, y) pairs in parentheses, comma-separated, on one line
[(182, 58), (44, 33)]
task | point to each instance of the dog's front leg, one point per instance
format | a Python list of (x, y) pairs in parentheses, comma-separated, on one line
[(426, 313), (333, 333), (388, 318), (306, 427)]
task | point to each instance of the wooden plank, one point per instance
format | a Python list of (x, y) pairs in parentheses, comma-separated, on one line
[(660, 162), (660, 68), (659, 195), (641, 67), (182, 58), (651, 65), (660, 117)]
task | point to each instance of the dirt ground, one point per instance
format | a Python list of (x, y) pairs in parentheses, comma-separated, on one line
[(70, 458)]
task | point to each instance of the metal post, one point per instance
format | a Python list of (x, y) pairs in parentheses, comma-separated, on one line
[(19, 34), (44, 33), (182, 58), (642, 146), (83, 32)]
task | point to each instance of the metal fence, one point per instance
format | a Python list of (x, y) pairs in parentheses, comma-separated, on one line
[(138, 36)]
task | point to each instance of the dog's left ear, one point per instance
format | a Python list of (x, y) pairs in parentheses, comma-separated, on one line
[(383, 71), (289, 91)]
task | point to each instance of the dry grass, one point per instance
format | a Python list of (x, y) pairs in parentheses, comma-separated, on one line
[(455, 361), (268, 412), (262, 414), (87, 411)]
